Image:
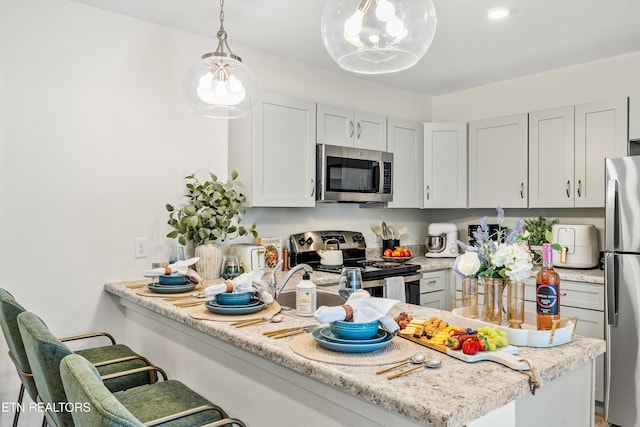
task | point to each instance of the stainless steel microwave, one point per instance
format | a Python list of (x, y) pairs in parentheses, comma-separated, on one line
[(346, 174)]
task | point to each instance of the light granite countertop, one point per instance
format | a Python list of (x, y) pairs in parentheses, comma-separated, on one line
[(451, 396)]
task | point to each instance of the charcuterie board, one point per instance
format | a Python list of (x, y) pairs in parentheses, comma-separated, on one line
[(505, 356), (562, 333)]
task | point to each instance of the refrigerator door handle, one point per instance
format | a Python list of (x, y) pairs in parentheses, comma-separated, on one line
[(610, 214), (612, 289)]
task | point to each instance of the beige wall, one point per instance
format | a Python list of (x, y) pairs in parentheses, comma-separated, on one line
[(608, 78)]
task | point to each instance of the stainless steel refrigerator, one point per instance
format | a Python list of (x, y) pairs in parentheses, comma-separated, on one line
[(622, 281)]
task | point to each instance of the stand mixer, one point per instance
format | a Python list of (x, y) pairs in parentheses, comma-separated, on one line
[(441, 240)]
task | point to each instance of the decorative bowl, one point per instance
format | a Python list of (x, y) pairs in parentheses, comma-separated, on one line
[(173, 279), (354, 331), (239, 298)]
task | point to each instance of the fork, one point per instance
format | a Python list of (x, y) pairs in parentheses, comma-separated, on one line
[(196, 295)]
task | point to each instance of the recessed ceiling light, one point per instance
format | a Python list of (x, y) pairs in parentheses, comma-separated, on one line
[(496, 14)]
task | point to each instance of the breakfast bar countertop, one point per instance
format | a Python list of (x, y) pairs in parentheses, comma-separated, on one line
[(453, 395)]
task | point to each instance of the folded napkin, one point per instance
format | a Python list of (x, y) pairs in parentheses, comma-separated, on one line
[(365, 309), (246, 282), (177, 268)]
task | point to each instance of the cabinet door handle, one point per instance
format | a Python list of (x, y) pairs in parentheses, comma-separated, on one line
[(350, 128), (359, 130), (313, 187), (579, 188), (522, 190), (428, 193), (567, 188)]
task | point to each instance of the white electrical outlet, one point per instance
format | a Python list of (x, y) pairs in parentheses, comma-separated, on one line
[(141, 247)]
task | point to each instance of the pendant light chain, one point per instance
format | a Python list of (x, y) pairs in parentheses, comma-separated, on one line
[(221, 15)]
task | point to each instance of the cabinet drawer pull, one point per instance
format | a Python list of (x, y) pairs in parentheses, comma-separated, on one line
[(579, 188), (428, 193), (313, 187), (350, 129), (522, 190), (567, 188), (359, 130)]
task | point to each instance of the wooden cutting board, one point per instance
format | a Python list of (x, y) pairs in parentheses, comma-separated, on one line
[(505, 356)]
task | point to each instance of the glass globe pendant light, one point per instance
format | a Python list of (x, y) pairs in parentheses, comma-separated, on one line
[(378, 36), (220, 85)]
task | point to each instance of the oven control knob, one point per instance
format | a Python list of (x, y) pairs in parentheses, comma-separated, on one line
[(358, 238), (309, 241), (301, 241)]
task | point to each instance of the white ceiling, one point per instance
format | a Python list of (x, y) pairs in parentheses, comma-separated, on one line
[(468, 50)]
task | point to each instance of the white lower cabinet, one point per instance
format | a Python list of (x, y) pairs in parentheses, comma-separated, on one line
[(577, 299), (586, 302), (434, 289)]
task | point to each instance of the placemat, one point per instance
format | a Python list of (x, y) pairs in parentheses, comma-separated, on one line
[(201, 312), (145, 292), (398, 350)]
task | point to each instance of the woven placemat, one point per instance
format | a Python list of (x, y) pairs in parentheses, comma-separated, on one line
[(398, 350), (201, 312), (145, 292)]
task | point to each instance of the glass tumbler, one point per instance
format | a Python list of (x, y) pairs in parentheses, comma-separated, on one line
[(350, 281), (493, 300), (176, 254), (515, 304), (470, 297), (230, 268)]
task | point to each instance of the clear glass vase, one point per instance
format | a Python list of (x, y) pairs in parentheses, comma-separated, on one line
[(470, 297), (493, 300), (515, 304)]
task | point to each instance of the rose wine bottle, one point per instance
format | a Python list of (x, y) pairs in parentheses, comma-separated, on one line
[(547, 291)]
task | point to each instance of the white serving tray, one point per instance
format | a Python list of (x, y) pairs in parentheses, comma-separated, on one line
[(528, 336)]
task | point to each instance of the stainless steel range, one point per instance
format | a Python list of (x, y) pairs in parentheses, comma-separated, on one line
[(305, 247)]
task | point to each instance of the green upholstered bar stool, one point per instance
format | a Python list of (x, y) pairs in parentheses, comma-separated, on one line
[(167, 403), (45, 351), (9, 310)]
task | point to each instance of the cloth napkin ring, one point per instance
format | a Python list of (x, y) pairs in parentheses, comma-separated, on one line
[(167, 271), (349, 316), (229, 286)]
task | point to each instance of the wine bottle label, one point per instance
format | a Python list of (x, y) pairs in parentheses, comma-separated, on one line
[(547, 299)]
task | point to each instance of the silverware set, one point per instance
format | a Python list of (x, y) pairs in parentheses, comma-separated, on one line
[(288, 332)]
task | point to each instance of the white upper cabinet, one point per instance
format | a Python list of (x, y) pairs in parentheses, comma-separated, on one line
[(445, 165), (404, 140), (350, 128), (274, 152), (551, 155), (601, 130), (498, 162)]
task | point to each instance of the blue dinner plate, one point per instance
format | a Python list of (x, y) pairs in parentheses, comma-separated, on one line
[(231, 310), (251, 303), (330, 336), (171, 289), (350, 348)]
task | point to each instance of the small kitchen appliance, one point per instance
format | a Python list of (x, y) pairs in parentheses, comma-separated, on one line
[(251, 256), (472, 228), (441, 240), (346, 174), (579, 246), (305, 247)]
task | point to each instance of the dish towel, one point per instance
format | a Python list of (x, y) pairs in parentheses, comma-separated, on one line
[(246, 282), (394, 287), (365, 309)]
